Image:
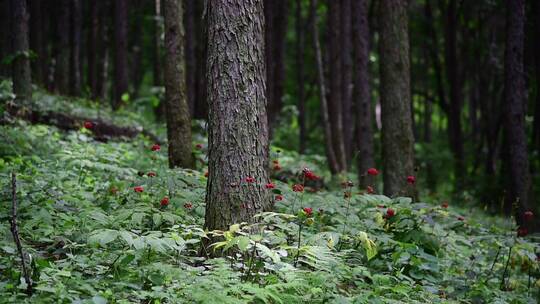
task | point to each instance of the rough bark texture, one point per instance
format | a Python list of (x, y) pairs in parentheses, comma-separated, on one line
[(103, 50), (36, 41), (157, 44), (75, 49), (22, 81), (61, 69), (335, 75), (300, 77), (5, 36), (120, 52), (362, 96), (327, 125), (238, 131), (136, 45), (397, 136), (92, 42), (346, 79), (536, 130), (177, 110), (515, 103)]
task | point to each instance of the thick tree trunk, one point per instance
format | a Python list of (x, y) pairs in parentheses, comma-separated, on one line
[(61, 69), (362, 96), (21, 77), (37, 44), (157, 44), (238, 131), (397, 136), (201, 104), (5, 36), (536, 128), (177, 110), (327, 125), (120, 52), (191, 58), (336, 89), (136, 46), (300, 77), (454, 115), (103, 50), (346, 79), (75, 42), (515, 103), (92, 44)]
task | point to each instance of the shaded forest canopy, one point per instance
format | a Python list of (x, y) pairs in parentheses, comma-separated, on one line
[(270, 151)]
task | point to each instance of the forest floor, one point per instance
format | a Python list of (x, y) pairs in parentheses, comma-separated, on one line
[(92, 236)]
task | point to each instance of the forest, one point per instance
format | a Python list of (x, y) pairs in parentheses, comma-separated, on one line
[(269, 151)]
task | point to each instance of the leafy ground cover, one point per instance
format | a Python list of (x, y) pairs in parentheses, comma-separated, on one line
[(111, 223)]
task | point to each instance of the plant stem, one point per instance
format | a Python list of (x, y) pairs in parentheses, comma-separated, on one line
[(506, 267), (298, 246), (346, 214)]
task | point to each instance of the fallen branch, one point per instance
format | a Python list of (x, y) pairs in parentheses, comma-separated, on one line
[(101, 130), (15, 232)]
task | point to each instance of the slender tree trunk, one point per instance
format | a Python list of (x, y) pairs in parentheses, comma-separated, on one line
[(346, 80), (397, 135), (75, 47), (92, 45), (136, 46), (157, 44), (21, 77), (5, 36), (362, 96), (454, 117), (515, 103), (177, 110), (120, 52), (536, 128), (191, 58), (201, 104), (238, 131), (327, 125), (336, 89), (300, 77), (36, 41), (103, 50), (61, 69)]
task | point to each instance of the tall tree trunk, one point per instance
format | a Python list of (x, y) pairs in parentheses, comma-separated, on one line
[(201, 48), (362, 96), (157, 44), (178, 118), (75, 47), (5, 36), (346, 80), (36, 41), (515, 103), (454, 117), (191, 58), (103, 50), (300, 77), (397, 135), (327, 125), (22, 81), (61, 69), (536, 35), (120, 52), (238, 131), (336, 89), (92, 44), (136, 46)]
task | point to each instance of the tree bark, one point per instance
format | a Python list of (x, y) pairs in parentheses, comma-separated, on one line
[(136, 46), (238, 131), (178, 118), (346, 79), (75, 47), (327, 125), (5, 36), (157, 44), (397, 136), (92, 44), (120, 52), (21, 77), (36, 41), (61, 69), (536, 127), (515, 103), (336, 89), (300, 77), (191, 58), (103, 50), (362, 96)]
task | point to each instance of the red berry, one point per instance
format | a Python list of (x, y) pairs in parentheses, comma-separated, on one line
[(151, 174), (155, 147), (390, 212), (372, 171), (308, 211), (270, 186), (370, 190), (188, 206), (522, 231), (88, 125), (411, 179), (298, 188), (460, 218), (279, 197), (277, 167), (138, 189), (444, 205), (164, 201), (250, 179), (199, 146), (528, 215)]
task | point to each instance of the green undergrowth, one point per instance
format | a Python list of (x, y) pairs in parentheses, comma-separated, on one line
[(90, 238)]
